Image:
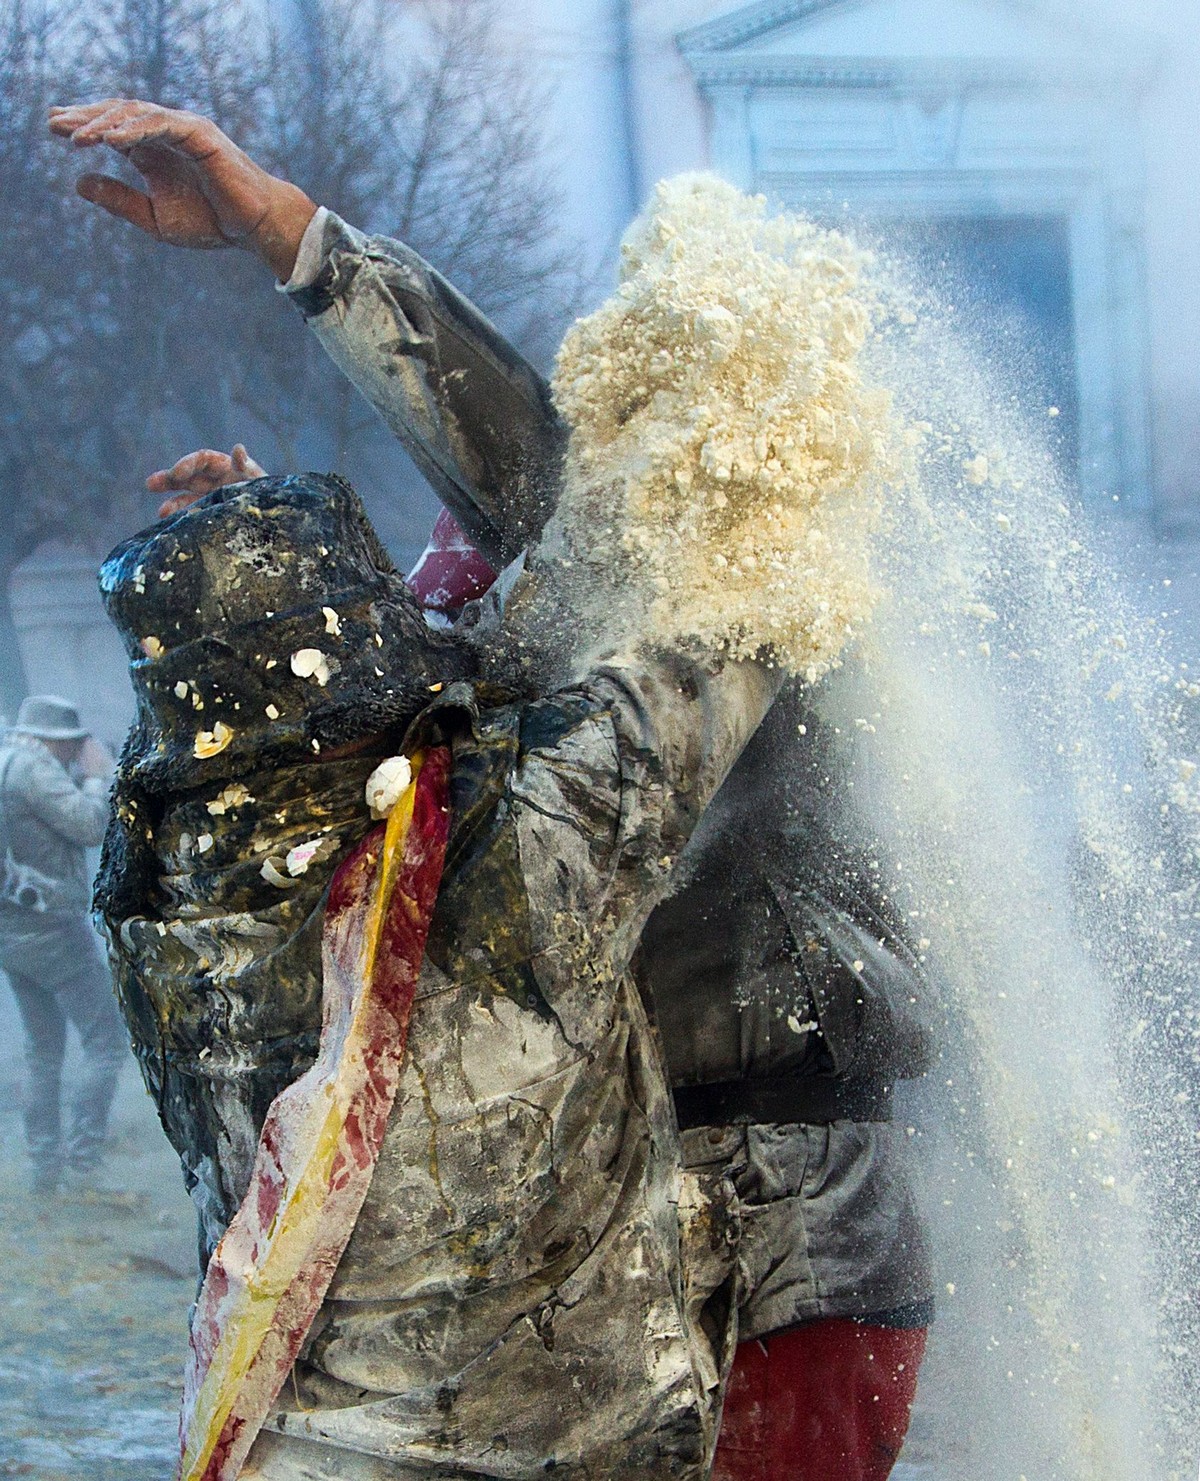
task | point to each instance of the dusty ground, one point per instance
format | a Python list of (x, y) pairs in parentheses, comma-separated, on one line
[(94, 1292)]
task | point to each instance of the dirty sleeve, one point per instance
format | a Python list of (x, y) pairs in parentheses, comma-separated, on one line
[(474, 415)]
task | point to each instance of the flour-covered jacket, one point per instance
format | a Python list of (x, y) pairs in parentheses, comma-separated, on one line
[(49, 823), (516, 1291), (523, 1288), (751, 965), (50, 820)]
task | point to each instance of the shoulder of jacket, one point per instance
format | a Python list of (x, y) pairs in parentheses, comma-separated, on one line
[(32, 765), (16, 758)]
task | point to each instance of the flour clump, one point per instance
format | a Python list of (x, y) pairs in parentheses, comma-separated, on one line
[(730, 456)]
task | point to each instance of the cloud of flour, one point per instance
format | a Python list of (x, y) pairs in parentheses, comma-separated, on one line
[(730, 455)]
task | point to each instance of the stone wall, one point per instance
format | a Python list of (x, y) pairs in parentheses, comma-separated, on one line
[(66, 642)]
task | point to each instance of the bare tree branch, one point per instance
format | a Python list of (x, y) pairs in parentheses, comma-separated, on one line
[(118, 356)]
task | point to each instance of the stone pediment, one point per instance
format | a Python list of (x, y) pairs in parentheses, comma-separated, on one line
[(859, 42), (952, 111)]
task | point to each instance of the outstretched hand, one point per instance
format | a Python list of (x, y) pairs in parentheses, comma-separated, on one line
[(200, 473), (201, 190)]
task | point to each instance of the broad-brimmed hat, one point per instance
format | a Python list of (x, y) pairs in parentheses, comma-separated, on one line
[(49, 718), (266, 623)]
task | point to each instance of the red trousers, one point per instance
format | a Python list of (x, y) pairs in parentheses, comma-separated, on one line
[(827, 1402)]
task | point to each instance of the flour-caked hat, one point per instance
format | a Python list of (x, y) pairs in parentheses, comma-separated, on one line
[(267, 621)]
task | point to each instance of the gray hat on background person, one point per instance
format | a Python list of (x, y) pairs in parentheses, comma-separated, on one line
[(47, 717)]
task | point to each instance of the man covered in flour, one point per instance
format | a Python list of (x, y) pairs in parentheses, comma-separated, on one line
[(481, 425)]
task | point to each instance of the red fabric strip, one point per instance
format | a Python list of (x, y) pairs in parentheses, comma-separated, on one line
[(322, 1134)]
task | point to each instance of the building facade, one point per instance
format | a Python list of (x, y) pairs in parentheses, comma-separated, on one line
[(1042, 157)]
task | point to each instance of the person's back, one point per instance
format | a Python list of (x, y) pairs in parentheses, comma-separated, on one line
[(48, 821), (787, 998), (519, 1233)]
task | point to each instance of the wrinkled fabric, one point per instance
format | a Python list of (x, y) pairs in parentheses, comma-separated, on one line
[(749, 963), (829, 1226), (795, 960), (316, 1156), (522, 1233)]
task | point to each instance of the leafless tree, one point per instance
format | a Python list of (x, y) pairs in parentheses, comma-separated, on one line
[(44, 385), (406, 120), (439, 147)]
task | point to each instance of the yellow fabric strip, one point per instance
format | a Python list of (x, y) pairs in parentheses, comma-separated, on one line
[(290, 1238)]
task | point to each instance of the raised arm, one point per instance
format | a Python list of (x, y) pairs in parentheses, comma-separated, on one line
[(474, 415), (201, 190)]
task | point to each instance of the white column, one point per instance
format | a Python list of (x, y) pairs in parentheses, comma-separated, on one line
[(66, 642)]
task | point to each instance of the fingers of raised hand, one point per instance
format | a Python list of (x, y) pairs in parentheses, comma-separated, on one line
[(187, 133), (176, 503), (244, 465), (90, 123), (67, 121), (123, 123), (118, 199), (197, 474)]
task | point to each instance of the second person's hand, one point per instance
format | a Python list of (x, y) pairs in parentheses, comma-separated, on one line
[(199, 473)]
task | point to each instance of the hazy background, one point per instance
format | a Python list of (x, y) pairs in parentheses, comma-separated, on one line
[(1040, 157), (1040, 161)]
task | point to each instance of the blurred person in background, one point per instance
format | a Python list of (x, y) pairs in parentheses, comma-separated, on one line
[(53, 808)]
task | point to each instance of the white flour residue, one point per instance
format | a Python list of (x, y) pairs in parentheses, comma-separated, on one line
[(730, 459), (1019, 740)]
